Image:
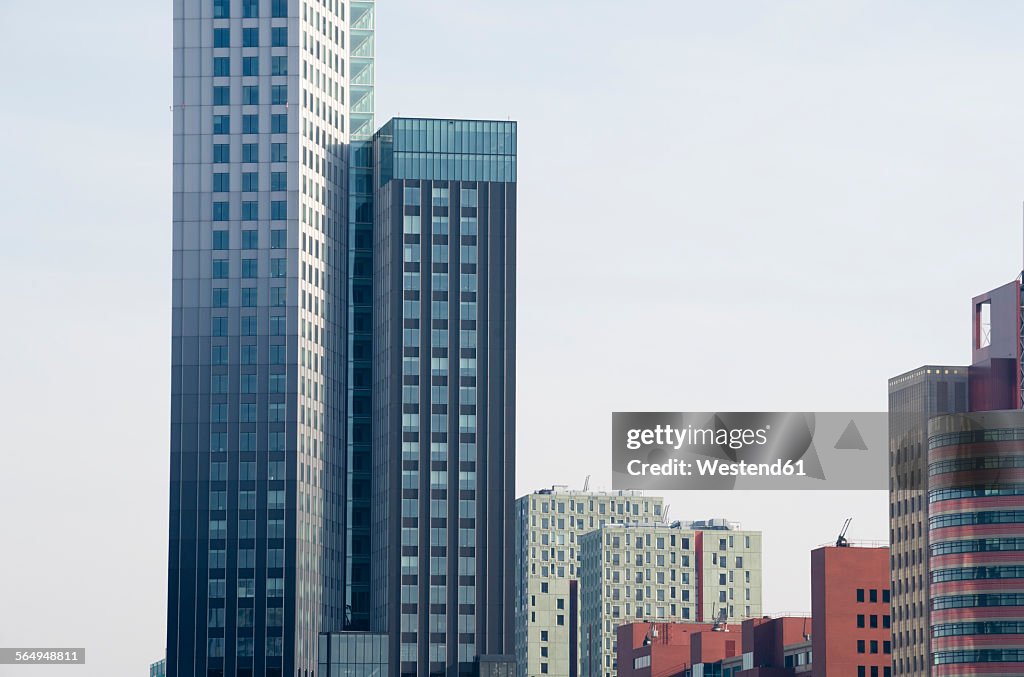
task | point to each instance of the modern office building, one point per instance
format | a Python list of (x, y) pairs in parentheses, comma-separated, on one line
[(549, 525), (991, 382), (850, 610), (686, 572), (269, 96), (976, 527), (914, 397), (444, 393), (158, 669)]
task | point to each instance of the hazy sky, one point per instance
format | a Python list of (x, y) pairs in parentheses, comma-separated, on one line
[(722, 206)]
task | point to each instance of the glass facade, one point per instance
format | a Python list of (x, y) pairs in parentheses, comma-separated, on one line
[(353, 654), (448, 150), (260, 374), (443, 405)]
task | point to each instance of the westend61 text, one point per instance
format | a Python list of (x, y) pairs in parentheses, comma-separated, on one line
[(716, 468)]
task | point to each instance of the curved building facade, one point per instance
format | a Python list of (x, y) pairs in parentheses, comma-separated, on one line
[(976, 543)]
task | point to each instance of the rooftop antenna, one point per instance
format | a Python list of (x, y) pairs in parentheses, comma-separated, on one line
[(586, 483), (664, 514), (841, 542)]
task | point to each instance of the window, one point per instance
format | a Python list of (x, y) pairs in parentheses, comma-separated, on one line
[(221, 95), (250, 95), (250, 152), (278, 239), (278, 297), (221, 153), (250, 268), (219, 327), (439, 197), (279, 94), (250, 124), (275, 470), (279, 152), (860, 620), (279, 8), (279, 37), (250, 182), (250, 210), (279, 123), (860, 594), (873, 595), (221, 9), (279, 65), (411, 196), (250, 8), (278, 267), (220, 211), (860, 646), (250, 37), (885, 597), (248, 301), (469, 197), (250, 65), (278, 210), (221, 66), (278, 181), (220, 185), (221, 124), (250, 239), (221, 37), (219, 269), (219, 298)]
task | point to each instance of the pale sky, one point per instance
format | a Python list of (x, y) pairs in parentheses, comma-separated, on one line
[(722, 206)]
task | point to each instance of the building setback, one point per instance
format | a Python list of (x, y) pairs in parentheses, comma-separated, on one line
[(549, 525), (689, 572), (444, 393)]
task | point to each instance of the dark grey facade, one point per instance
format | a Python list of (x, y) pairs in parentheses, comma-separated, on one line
[(914, 397), (444, 392), (264, 549)]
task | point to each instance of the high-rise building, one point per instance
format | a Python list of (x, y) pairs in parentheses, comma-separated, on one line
[(444, 393), (268, 524), (991, 382), (693, 571), (914, 397), (158, 669), (549, 525), (850, 611), (976, 527)]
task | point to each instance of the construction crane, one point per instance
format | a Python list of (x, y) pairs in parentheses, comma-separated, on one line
[(841, 542)]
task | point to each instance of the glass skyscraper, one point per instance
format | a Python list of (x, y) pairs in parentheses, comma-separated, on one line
[(291, 454), (444, 392), (273, 108)]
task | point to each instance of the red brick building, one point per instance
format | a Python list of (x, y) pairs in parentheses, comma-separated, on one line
[(850, 607)]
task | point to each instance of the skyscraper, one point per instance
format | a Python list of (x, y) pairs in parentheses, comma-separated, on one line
[(976, 526), (444, 393), (991, 382), (914, 397), (273, 108)]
